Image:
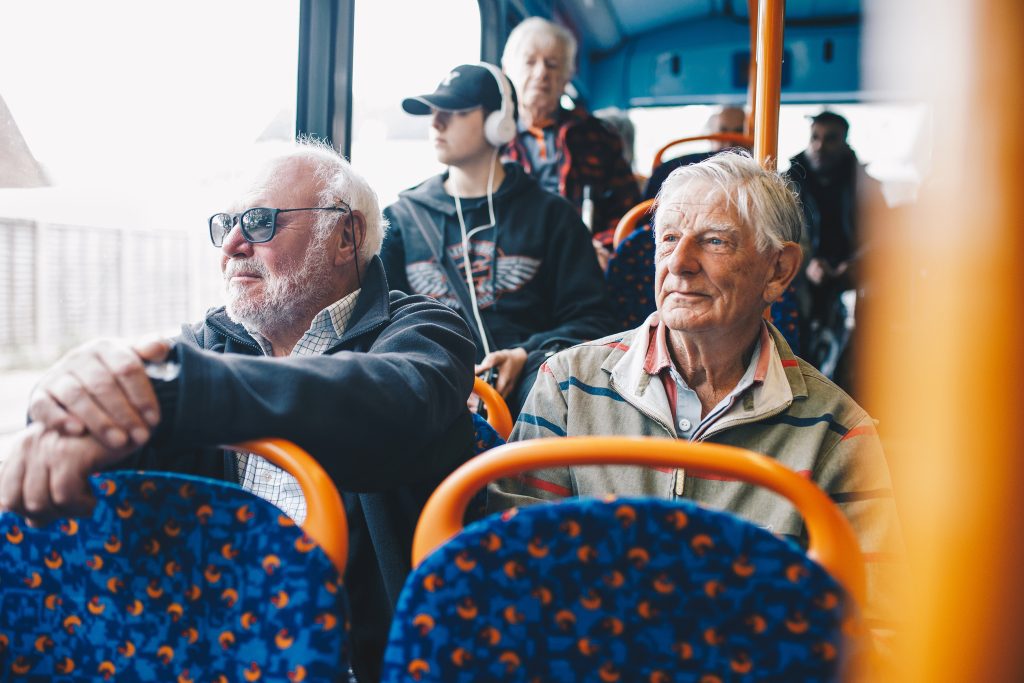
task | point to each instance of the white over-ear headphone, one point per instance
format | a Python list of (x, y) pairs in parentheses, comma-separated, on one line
[(500, 126)]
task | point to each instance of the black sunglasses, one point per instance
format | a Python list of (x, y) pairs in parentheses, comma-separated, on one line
[(258, 224)]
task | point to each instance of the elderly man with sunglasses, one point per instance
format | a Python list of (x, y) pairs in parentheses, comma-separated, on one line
[(311, 347)]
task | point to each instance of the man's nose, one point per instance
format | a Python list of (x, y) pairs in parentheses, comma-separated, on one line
[(235, 244), (683, 260), (438, 120)]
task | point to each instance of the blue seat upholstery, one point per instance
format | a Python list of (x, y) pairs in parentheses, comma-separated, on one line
[(173, 578), (484, 436), (630, 278), (624, 590)]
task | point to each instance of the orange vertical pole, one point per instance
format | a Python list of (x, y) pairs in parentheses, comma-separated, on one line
[(945, 355), (752, 67), (768, 92)]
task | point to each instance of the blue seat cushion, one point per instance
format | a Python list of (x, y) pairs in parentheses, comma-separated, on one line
[(484, 436), (630, 590), (172, 578)]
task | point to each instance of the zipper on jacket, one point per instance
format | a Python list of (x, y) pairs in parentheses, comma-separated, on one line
[(764, 416), (234, 337), (680, 474), (671, 432)]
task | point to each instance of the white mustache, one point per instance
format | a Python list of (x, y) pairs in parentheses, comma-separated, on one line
[(246, 266)]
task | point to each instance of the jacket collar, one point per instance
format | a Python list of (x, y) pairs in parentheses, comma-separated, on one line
[(372, 309), (783, 380)]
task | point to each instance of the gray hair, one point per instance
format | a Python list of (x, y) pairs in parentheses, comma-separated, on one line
[(339, 182), (762, 199), (536, 31)]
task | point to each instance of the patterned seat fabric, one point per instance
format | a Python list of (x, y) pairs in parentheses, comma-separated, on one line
[(786, 317), (630, 278), (628, 590), (172, 578), (484, 436)]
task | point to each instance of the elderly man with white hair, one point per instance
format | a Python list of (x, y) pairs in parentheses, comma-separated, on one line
[(311, 347), (706, 366), (569, 152)]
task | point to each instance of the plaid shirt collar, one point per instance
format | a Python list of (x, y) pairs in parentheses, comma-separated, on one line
[(325, 331)]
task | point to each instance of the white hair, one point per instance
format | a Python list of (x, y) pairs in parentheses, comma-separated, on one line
[(762, 199), (538, 32), (339, 182)]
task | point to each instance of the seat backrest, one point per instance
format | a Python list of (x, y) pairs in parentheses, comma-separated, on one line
[(484, 436), (628, 589), (630, 279), (630, 220), (736, 139), (785, 315), (173, 577)]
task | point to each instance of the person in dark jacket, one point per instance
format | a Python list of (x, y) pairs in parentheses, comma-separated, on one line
[(569, 152), (536, 286), (832, 185), (311, 347)]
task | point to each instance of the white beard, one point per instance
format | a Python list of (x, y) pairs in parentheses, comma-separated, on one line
[(286, 300)]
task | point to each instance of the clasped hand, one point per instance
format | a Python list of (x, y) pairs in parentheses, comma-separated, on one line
[(91, 410)]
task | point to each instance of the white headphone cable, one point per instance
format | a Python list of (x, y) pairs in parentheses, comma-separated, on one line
[(466, 258)]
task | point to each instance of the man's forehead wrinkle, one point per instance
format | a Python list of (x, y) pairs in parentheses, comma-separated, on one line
[(697, 215)]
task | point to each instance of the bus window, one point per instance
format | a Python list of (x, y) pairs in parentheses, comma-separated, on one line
[(397, 54), (119, 125), (888, 138)]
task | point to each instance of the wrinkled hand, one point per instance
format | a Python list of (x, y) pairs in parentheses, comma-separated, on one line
[(101, 389), (509, 364), (603, 253), (45, 474)]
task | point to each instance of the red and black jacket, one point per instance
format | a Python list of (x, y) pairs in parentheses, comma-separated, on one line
[(588, 154)]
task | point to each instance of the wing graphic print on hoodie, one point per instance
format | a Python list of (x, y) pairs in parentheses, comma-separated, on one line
[(494, 274)]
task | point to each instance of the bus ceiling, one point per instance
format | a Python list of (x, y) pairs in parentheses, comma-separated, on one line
[(649, 53)]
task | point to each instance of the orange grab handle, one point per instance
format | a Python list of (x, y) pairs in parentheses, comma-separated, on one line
[(735, 138), (325, 515), (832, 541), (627, 223), (498, 414)]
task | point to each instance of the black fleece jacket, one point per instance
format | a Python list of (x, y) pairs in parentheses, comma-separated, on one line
[(383, 411), (538, 284)]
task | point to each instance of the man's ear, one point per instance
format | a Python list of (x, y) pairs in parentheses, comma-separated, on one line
[(784, 269), (353, 229)]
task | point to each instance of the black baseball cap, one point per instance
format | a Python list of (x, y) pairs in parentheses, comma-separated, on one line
[(466, 87)]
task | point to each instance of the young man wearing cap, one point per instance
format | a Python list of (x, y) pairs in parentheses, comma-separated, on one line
[(531, 284)]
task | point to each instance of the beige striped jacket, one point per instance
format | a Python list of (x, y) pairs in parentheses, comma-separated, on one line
[(796, 416)]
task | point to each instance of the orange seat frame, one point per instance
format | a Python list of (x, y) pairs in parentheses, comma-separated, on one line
[(736, 139), (627, 224), (832, 541), (325, 514), (498, 414)]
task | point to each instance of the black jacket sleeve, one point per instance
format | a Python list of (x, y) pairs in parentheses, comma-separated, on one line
[(368, 416), (579, 301), (392, 253)]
